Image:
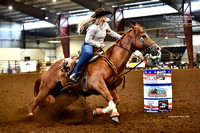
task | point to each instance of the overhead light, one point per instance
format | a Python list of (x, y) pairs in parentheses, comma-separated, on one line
[(54, 41), (139, 3), (82, 10), (180, 37), (38, 24), (114, 6), (10, 7), (166, 37), (46, 18), (140, 6), (53, 1), (90, 12), (43, 8)]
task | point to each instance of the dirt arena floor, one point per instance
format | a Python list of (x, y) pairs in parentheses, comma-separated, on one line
[(16, 92)]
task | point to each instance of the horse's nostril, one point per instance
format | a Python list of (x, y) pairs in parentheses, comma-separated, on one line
[(158, 48)]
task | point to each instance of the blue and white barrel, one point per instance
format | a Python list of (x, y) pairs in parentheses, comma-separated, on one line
[(157, 91)]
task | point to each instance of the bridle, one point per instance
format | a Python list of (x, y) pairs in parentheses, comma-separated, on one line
[(141, 38), (148, 47)]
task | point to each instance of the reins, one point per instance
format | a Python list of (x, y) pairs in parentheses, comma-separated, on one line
[(146, 45), (125, 48), (142, 40), (131, 68), (122, 75)]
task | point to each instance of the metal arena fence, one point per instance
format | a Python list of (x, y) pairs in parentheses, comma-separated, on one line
[(40, 66)]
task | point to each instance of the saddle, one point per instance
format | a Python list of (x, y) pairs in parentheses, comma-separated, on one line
[(69, 65)]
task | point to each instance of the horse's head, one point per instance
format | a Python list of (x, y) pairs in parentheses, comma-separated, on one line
[(143, 42)]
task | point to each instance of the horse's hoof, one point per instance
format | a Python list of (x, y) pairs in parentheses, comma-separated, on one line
[(115, 119), (30, 115), (97, 112)]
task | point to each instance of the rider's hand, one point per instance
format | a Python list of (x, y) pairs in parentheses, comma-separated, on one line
[(102, 45)]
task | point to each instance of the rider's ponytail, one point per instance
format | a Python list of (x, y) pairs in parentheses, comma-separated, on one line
[(82, 25)]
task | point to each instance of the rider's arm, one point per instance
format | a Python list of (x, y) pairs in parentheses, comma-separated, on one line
[(111, 32)]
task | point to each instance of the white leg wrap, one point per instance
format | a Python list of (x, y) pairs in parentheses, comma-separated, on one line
[(30, 114), (112, 106), (106, 110)]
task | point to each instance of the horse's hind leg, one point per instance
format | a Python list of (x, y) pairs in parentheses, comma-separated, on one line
[(39, 98), (36, 91)]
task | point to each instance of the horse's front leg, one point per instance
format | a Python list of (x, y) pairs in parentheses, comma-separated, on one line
[(116, 99), (101, 87), (115, 96), (113, 91)]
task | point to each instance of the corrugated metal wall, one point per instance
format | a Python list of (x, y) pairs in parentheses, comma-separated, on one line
[(10, 34)]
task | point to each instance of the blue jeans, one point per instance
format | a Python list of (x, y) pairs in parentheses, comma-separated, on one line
[(87, 53)]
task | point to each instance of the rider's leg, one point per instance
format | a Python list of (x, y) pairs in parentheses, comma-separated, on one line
[(87, 51), (85, 57)]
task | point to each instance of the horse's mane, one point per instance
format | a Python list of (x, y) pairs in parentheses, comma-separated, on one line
[(109, 50), (138, 28), (118, 40)]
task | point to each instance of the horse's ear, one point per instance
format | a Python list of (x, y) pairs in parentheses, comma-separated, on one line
[(132, 26)]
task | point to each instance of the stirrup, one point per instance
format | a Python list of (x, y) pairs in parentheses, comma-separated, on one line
[(74, 77)]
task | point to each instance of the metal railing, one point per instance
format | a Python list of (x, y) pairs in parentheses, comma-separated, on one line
[(15, 66)]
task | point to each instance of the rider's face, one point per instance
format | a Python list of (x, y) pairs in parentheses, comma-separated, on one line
[(104, 18)]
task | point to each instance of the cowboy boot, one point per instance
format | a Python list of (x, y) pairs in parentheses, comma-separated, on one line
[(74, 77)]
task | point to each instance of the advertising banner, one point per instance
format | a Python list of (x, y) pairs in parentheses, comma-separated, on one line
[(157, 76), (157, 91), (28, 66)]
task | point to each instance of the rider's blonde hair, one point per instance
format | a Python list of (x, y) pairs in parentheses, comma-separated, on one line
[(82, 25)]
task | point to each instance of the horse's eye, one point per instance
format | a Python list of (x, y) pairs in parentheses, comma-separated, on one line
[(143, 36)]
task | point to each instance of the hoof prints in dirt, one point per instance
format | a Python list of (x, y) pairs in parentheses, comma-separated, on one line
[(77, 117), (77, 113)]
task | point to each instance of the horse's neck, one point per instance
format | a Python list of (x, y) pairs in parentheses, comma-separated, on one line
[(120, 56)]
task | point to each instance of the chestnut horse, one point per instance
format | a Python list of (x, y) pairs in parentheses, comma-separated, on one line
[(100, 75)]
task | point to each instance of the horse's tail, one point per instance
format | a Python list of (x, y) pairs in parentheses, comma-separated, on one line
[(37, 85)]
